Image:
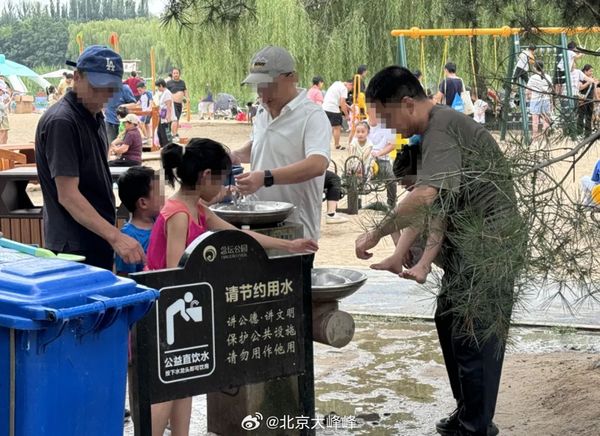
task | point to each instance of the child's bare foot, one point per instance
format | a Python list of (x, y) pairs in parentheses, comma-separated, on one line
[(418, 273), (391, 264)]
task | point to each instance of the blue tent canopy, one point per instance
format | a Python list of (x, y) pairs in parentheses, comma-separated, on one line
[(12, 70)]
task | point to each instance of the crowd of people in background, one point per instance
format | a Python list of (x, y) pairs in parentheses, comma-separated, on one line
[(79, 204)]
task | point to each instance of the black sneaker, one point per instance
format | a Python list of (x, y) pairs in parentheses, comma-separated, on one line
[(449, 426)]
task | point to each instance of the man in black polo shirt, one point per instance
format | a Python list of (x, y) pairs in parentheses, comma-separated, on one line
[(177, 87), (71, 150)]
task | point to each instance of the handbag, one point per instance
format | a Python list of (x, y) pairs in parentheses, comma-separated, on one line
[(458, 103), (466, 100)]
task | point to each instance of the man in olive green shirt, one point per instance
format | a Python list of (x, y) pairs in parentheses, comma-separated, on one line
[(464, 178)]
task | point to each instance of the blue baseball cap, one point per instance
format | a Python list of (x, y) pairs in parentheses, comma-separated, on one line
[(103, 67)]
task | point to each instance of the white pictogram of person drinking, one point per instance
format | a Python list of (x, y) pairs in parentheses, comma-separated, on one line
[(191, 313)]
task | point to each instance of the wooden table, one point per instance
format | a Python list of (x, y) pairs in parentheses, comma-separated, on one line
[(26, 148), (20, 219)]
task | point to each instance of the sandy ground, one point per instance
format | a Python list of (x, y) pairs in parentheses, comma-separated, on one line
[(541, 394), (551, 394)]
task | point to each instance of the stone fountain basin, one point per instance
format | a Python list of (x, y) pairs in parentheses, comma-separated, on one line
[(331, 284)]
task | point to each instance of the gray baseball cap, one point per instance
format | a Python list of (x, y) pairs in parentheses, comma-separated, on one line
[(269, 63)]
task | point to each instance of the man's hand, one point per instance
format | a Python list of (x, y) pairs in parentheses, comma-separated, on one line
[(128, 249), (303, 246), (249, 183), (365, 242)]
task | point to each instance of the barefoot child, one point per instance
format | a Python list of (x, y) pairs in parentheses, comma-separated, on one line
[(404, 167), (200, 170), (401, 255)]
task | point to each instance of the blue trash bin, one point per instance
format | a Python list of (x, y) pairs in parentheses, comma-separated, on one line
[(64, 330)]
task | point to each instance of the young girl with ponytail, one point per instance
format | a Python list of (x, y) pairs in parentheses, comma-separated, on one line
[(200, 170)]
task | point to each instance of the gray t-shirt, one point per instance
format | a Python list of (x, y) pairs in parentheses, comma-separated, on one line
[(454, 145), (485, 239), (462, 159), (71, 142)]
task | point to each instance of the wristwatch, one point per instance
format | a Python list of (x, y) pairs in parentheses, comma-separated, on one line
[(269, 180)]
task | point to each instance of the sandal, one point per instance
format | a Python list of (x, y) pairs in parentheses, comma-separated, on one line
[(340, 147)]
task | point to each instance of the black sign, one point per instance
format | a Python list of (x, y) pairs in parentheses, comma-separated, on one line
[(229, 316)]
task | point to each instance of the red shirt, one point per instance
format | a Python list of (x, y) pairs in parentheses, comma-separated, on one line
[(133, 138), (132, 83)]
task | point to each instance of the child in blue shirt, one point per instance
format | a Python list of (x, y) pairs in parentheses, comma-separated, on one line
[(139, 192)]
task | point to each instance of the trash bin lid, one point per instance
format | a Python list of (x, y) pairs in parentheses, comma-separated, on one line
[(31, 288)]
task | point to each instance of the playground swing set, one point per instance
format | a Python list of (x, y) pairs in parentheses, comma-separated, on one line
[(551, 54), (508, 119)]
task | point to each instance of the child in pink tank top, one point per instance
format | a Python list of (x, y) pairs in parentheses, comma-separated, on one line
[(200, 170), (157, 250)]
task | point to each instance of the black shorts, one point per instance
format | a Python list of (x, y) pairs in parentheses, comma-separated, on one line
[(520, 74), (178, 109), (335, 118), (559, 77)]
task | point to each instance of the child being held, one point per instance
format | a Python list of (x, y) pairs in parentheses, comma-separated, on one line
[(361, 148), (140, 194), (200, 170), (432, 228)]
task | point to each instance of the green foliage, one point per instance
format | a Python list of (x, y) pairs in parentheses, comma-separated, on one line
[(135, 39), (35, 41), (34, 34), (331, 38), (74, 10)]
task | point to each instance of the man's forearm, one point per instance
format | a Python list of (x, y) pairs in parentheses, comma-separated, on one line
[(410, 210), (243, 153), (83, 212)]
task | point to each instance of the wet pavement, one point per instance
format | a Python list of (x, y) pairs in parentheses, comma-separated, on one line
[(386, 294), (390, 380)]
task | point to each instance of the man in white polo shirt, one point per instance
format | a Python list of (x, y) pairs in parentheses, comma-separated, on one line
[(335, 107), (289, 147)]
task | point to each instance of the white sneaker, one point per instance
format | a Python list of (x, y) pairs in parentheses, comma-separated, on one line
[(335, 219)]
